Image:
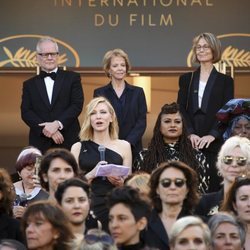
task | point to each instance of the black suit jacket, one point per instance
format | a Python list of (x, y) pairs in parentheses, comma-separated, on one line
[(133, 123), (219, 90), (209, 204), (155, 235), (66, 105)]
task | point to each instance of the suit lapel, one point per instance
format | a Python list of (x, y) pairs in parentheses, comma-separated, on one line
[(195, 90), (128, 100), (58, 83), (208, 90), (42, 90), (157, 226)]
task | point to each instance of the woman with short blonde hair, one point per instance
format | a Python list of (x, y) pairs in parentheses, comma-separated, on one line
[(128, 101)]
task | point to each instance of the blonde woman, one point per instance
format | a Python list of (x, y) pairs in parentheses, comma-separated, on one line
[(100, 129), (128, 101)]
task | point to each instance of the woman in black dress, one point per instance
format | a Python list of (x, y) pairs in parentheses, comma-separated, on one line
[(100, 129)]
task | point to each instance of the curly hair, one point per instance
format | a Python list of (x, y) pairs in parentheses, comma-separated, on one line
[(192, 198), (8, 193), (131, 198), (156, 152)]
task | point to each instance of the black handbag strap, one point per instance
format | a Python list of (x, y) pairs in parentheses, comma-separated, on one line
[(189, 88)]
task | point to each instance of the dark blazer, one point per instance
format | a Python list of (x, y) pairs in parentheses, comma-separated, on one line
[(155, 234), (219, 90), (209, 204), (66, 105), (133, 123), (10, 228)]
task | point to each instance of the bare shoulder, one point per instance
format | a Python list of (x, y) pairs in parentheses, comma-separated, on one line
[(75, 149), (123, 143), (76, 146)]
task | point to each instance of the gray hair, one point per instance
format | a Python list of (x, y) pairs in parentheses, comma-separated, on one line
[(46, 39), (223, 217), (185, 222), (231, 143)]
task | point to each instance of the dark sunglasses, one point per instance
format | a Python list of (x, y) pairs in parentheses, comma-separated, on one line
[(240, 160), (178, 182), (92, 238)]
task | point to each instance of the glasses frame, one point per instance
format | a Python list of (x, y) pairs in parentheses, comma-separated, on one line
[(51, 54), (178, 182), (240, 160), (205, 47)]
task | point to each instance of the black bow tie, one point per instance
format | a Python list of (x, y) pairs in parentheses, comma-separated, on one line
[(52, 75)]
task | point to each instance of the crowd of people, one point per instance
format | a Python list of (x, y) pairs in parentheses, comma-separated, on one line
[(94, 186)]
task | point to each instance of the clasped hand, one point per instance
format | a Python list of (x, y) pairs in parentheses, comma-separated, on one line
[(201, 142), (51, 130)]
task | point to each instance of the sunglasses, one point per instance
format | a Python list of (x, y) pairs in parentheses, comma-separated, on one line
[(240, 160), (92, 238), (178, 182)]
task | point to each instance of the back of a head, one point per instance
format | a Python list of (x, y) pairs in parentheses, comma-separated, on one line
[(97, 239), (140, 181)]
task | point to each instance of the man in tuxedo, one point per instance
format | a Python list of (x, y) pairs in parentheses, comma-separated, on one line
[(52, 101)]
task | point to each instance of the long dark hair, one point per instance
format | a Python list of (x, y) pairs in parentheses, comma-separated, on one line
[(156, 153)]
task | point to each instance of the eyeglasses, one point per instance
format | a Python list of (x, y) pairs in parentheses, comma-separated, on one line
[(204, 47), (240, 160), (92, 238), (46, 55), (166, 183)]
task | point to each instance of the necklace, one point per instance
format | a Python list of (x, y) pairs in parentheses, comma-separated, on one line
[(23, 187)]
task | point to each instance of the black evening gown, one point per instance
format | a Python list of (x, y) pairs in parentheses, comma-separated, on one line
[(88, 158)]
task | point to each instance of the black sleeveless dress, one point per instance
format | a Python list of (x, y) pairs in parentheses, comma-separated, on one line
[(88, 158)]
